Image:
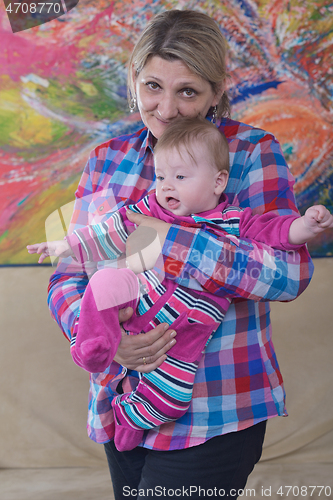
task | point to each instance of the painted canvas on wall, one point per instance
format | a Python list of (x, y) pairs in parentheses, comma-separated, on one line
[(63, 90)]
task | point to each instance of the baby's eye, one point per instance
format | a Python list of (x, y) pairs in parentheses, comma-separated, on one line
[(180, 177), (159, 178)]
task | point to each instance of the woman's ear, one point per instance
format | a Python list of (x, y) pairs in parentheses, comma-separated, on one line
[(134, 75), (219, 93), (133, 71), (221, 181)]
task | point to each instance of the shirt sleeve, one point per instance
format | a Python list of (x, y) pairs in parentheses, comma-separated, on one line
[(67, 284), (244, 267), (269, 228), (103, 241)]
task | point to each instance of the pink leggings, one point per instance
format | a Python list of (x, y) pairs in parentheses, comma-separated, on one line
[(162, 395)]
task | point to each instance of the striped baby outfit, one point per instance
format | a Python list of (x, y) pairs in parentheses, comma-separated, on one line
[(164, 394)]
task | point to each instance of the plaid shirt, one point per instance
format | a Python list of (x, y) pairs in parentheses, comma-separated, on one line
[(238, 381)]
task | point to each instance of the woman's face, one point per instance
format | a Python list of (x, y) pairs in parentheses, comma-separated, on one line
[(167, 90)]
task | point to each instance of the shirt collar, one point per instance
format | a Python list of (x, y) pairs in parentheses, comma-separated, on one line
[(147, 143), (150, 141)]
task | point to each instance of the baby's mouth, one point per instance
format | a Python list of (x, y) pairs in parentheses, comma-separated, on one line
[(172, 203)]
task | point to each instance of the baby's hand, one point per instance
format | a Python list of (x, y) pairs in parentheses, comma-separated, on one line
[(58, 248), (318, 218)]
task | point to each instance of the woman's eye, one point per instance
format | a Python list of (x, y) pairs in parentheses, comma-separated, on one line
[(152, 85), (189, 92)]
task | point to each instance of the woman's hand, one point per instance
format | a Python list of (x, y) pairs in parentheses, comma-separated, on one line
[(144, 352), (144, 245)]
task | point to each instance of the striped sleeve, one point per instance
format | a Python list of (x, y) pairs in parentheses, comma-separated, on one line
[(103, 241)]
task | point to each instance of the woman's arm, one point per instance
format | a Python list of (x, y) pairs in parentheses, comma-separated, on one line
[(260, 179), (143, 353), (249, 270)]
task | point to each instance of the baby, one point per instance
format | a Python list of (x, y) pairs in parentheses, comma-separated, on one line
[(191, 165)]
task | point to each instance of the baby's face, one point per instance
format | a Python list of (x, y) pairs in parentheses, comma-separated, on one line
[(185, 186)]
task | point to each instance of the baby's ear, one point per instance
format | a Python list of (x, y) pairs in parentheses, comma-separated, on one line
[(221, 181)]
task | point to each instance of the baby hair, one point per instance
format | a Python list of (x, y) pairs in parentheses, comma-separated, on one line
[(185, 131)]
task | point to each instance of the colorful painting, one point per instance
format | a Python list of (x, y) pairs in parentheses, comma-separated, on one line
[(63, 91)]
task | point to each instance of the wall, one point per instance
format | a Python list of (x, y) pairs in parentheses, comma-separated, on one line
[(44, 395)]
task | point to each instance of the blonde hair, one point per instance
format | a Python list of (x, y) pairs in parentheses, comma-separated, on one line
[(185, 131), (187, 35)]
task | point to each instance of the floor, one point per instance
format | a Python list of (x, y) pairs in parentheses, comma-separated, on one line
[(55, 484), (270, 480)]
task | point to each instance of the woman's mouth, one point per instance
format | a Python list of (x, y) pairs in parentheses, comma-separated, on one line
[(163, 122)]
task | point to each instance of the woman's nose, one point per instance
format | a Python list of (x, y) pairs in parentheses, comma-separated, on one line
[(167, 108)]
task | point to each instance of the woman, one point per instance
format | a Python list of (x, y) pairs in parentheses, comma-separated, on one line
[(178, 69)]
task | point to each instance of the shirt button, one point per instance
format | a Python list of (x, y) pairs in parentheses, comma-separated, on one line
[(101, 208)]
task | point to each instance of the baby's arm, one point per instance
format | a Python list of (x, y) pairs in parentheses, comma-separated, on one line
[(93, 243), (58, 248), (315, 220)]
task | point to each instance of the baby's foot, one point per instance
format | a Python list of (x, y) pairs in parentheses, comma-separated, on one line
[(126, 439), (94, 354)]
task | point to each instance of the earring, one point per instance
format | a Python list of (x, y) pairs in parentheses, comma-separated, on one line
[(214, 119), (132, 104)]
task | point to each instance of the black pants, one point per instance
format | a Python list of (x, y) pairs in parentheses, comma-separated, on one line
[(220, 467)]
